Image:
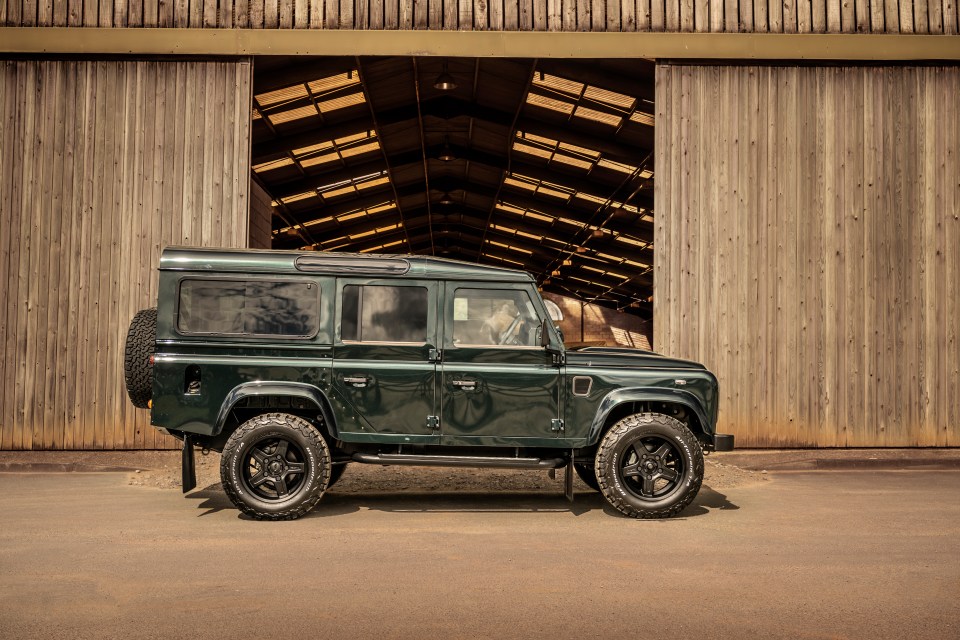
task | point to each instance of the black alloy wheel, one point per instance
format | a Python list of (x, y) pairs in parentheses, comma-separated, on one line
[(649, 466), (275, 466), (652, 468)]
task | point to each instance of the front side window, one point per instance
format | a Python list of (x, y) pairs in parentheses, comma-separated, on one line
[(289, 309), (494, 317), (374, 313)]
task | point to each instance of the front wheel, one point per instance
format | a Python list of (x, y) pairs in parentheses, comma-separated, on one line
[(649, 466), (275, 467)]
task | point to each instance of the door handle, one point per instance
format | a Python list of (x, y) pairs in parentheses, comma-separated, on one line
[(466, 385), (356, 381)]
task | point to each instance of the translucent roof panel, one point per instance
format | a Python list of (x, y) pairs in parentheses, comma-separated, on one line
[(569, 155), (579, 100)]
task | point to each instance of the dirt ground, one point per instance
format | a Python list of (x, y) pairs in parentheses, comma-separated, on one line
[(857, 555), (164, 473)]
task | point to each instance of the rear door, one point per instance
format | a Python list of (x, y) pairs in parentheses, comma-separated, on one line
[(384, 372), (499, 386)]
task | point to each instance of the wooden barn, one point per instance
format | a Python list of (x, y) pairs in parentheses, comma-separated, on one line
[(771, 187)]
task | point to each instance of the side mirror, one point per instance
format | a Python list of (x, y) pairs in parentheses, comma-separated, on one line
[(545, 338)]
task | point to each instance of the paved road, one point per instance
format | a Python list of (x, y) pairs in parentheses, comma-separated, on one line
[(807, 555)]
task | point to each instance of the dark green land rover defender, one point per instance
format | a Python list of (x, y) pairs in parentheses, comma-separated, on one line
[(295, 364)]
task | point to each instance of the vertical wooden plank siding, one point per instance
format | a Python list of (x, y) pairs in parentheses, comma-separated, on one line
[(810, 260), (776, 16), (91, 156), (495, 10)]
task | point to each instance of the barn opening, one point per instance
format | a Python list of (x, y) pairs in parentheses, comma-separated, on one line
[(535, 164)]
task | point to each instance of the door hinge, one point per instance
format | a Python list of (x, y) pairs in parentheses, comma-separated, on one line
[(433, 422), (435, 355), (556, 425)]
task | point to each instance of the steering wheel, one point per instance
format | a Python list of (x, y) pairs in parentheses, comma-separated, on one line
[(506, 335)]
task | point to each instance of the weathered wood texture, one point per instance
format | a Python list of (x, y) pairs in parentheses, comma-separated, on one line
[(783, 16), (101, 165), (808, 248), (261, 218)]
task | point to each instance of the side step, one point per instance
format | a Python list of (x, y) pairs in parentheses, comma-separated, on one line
[(458, 461)]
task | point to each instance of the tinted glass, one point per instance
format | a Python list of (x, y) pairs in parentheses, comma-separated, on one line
[(494, 317), (244, 307), (384, 314)]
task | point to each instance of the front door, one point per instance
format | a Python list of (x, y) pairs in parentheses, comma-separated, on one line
[(384, 374), (498, 385)]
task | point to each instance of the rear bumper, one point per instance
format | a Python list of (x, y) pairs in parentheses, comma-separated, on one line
[(722, 442)]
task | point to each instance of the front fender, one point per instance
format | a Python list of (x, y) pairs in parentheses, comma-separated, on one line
[(646, 394), (288, 389)]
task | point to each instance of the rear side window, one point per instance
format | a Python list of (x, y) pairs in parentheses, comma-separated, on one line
[(287, 309), (374, 313)]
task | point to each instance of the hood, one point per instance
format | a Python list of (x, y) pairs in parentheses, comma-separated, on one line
[(625, 357)]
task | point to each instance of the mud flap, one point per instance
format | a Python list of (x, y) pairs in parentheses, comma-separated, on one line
[(568, 479), (188, 467)]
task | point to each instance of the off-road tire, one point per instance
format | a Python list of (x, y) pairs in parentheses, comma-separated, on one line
[(140, 345), (235, 461), (684, 454), (588, 474)]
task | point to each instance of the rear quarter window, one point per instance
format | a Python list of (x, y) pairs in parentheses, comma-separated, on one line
[(380, 313), (274, 308)]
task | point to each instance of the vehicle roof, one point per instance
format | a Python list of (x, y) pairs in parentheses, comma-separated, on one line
[(331, 263)]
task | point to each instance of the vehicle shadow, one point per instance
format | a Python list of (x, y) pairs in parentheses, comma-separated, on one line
[(334, 503), (212, 498)]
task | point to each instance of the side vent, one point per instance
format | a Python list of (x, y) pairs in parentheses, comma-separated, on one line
[(582, 385)]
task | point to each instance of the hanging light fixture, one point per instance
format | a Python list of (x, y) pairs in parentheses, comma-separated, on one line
[(445, 81), (446, 154), (446, 199)]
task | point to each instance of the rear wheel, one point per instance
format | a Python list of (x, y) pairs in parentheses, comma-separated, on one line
[(275, 467), (649, 466)]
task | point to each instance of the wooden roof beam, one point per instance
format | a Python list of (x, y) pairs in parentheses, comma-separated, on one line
[(588, 74), (583, 184), (575, 210), (463, 220), (302, 72), (383, 193), (447, 108), (308, 101)]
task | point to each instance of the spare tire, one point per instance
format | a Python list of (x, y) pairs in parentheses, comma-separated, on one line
[(137, 368)]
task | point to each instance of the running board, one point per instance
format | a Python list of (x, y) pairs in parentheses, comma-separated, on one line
[(458, 461)]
